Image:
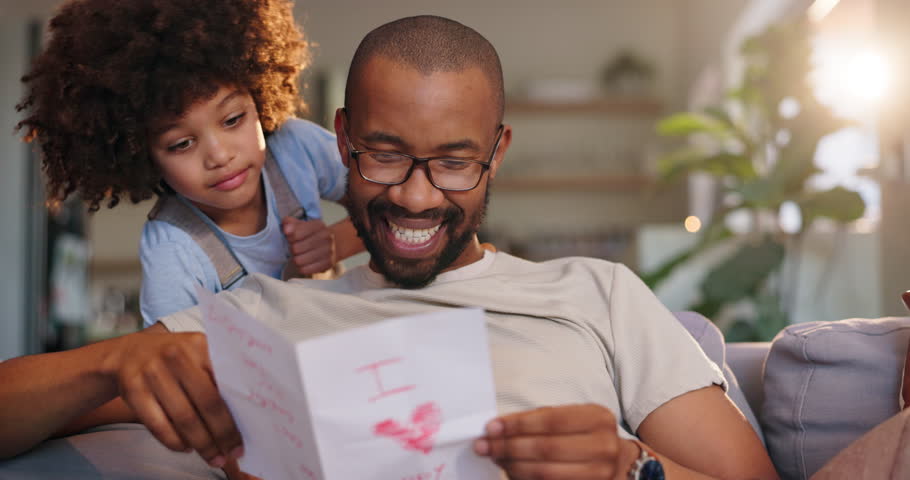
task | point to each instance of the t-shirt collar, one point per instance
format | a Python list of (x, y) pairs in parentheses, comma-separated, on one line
[(370, 279)]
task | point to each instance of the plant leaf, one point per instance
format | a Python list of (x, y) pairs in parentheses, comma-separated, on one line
[(688, 160), (837, 204), (687, 123), (743, 273)]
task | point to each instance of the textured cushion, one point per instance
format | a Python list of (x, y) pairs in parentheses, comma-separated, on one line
[(123, 451), (711, 341), (827, 384), (884, 452)]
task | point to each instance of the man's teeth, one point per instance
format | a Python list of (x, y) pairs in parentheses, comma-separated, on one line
[(411, 235)]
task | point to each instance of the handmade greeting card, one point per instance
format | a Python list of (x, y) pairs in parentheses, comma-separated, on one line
[(402, 399)]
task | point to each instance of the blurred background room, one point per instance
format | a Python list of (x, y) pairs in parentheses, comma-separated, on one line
[(750, 159)]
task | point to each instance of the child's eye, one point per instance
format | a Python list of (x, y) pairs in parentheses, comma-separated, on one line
[(234, 120), (180, 146)]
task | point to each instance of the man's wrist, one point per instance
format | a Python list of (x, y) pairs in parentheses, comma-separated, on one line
[(646, 466), (628, 453)]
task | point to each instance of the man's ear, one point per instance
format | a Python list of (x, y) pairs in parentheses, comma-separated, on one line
[(504, 142), (339, 137)]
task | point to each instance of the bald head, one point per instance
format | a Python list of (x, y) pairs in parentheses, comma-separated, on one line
[(428, 44)]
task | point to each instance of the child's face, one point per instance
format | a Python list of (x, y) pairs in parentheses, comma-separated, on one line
[(213, 155)]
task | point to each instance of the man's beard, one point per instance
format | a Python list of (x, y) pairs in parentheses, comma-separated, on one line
[(408, 273)]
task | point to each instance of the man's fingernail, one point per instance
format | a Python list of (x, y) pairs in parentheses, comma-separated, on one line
[(495, 427), (482, 447), (237, 452), (217, 462)]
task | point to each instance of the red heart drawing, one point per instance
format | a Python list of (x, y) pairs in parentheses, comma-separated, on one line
[(418, 433)]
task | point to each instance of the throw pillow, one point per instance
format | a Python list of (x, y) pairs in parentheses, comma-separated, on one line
[(828, 383)]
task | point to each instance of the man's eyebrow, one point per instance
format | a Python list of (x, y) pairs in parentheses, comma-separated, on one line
[(389, 139), (382, 137), (465, 144)]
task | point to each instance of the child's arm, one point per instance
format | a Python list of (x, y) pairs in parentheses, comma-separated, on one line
[(315, 247), (347, 243)]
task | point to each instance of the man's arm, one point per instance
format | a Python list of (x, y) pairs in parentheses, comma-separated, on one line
[(163, 379), (704, 431), (697, 435)]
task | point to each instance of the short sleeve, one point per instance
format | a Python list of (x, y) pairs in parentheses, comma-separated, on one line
[(308, 157), (170, 274), (656, 360)]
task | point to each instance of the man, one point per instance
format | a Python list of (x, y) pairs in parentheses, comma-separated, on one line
[(584, 355)]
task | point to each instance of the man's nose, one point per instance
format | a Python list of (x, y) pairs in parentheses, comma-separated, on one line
[(417, 194)]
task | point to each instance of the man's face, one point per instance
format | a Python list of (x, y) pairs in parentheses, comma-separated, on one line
[(414, 231)]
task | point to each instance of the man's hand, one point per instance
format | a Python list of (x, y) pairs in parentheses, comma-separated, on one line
[(167, 380), (311, 244), (233, 472), (570, 442)]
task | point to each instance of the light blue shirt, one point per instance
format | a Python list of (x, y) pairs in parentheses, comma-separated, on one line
[(173, 264)]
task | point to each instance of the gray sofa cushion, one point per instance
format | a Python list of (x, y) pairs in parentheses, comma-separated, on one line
[(828, 383), (123, 451)]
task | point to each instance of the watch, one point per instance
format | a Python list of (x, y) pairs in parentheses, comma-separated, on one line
[(646, 466)]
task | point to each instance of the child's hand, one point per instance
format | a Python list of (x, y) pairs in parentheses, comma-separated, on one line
[(311, 243)]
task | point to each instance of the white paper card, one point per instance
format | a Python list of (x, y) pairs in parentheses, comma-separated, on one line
[(402, 399)]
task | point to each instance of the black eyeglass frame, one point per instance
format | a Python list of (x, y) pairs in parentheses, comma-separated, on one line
[(415, 160)]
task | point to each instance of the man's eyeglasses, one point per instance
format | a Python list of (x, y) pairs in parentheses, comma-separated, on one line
[(445, 173)]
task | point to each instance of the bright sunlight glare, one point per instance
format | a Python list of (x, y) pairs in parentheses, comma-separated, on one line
[(869, 76), (851, 81)]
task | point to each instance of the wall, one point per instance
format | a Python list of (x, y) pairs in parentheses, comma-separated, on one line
[(534, 38), (13, 208)]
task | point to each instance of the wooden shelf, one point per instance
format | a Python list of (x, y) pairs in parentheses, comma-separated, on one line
[(108, 266), (611, 183), (607, 105)]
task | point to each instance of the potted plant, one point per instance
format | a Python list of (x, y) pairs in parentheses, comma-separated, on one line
[(760, 146)]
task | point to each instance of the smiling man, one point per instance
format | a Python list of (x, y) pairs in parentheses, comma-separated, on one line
[(595, 379), (419, 216), (412, 91), (423, 138)]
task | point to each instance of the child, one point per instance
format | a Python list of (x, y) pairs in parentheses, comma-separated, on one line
[(188, 100)]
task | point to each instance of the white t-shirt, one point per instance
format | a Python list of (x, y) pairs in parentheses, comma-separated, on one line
[(567, 331)]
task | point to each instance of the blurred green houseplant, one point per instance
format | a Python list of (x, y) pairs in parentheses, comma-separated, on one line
[(760, 145)]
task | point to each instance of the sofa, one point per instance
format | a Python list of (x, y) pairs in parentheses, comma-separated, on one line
[(823, 396)]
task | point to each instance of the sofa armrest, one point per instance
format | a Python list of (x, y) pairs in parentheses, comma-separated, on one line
[(747, 360)]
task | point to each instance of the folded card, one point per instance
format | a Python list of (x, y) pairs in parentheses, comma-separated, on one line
[(401, 399)]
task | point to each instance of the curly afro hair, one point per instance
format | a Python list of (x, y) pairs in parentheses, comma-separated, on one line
[(114, 66)]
